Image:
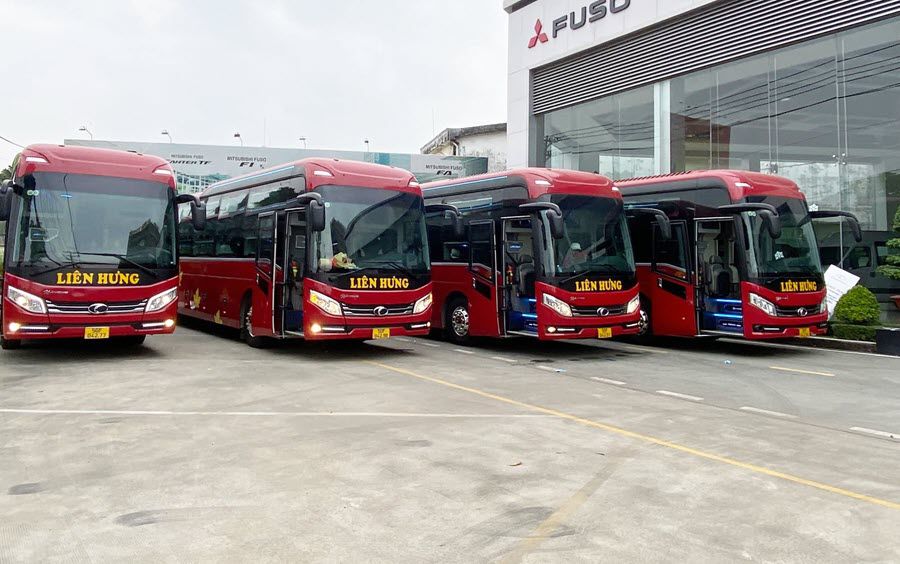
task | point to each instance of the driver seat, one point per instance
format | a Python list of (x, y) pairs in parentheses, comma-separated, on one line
[(525, 275)]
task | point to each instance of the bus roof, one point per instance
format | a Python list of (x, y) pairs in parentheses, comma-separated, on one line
[(95, 161), (538, 181), (740, 183), (321, 171)]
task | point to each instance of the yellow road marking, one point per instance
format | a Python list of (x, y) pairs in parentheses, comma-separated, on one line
[(649, 439), (812, 372)]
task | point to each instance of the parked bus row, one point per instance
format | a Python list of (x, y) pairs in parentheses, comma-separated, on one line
[(330, 249)]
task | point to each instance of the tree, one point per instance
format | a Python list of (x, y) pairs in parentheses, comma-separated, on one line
[(892, 268), (6, 173)]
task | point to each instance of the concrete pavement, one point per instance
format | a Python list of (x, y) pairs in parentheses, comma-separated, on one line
[(199, 448)]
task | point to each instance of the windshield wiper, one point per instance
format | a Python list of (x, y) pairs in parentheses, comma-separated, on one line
[(124, 259), (593, 270), (58, 266), (394, 264)]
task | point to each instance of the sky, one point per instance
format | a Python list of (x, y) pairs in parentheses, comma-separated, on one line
[(338, 72)]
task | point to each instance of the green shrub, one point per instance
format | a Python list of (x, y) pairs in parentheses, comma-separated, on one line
[(857, 307), (854, 332)]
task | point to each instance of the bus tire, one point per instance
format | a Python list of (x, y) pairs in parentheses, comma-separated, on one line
[(247, 328), (456, 326), (10, 344)]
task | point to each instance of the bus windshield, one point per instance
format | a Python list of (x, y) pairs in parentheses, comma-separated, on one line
[(794, 253), (66, 221), (596, 237), (367, 228)]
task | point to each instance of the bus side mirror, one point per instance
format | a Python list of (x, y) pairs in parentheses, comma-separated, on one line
[(198, 215), (459, 229), (315, 210), (665, 226), (198, 210), (554, 214), (772, 223), (851, 219)]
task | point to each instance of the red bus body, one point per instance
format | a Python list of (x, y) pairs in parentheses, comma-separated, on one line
[(720, 260), (496, 278), (60, 197), (229, 276)]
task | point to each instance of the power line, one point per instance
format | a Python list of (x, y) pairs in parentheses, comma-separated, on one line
[(12, 142)]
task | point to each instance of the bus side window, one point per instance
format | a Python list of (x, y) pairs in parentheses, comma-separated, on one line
[(881, 253), (669, 256)]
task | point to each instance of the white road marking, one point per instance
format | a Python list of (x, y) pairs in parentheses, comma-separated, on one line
[(677, 395), (427, 344), (608, 381), (768, 412), (262, 413), (503, 359), (799, 371), (463, 351), (546, 368), (884, 434)]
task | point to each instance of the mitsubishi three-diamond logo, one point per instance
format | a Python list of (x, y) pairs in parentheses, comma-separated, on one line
[(539, 35)]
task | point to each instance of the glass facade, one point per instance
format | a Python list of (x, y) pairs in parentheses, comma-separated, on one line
[(825, 113)]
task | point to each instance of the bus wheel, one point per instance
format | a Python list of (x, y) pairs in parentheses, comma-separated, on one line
[(645, 331), (247, 328), (10, 344), (458, 321)]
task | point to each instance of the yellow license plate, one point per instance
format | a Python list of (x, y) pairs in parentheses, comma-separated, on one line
[(96, 332), (604, 333), (804, 332), (381, 333)]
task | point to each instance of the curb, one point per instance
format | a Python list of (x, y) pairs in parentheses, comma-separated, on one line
[(834, 344)]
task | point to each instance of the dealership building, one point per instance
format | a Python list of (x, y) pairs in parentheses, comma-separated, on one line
[(807, 89)]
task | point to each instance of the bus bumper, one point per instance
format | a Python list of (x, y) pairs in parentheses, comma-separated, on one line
[(597, 329), (21, 325)]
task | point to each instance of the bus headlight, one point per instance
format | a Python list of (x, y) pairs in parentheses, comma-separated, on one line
[(557, 305), (633, 305), (161, 300), (26, 301), (423, 303), (823, 307), (760, 302), (324, 303)]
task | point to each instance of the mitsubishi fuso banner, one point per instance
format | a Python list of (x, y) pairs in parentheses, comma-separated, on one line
[(198, 166)]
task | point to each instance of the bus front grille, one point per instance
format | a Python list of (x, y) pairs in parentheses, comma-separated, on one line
[(96, 308), (378, 311), (595, 311)]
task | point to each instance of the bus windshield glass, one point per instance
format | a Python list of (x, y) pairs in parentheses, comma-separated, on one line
[(367, 228), (794, 253), (596, 237), (67, 221)]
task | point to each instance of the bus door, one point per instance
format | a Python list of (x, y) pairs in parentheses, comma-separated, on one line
[(672, 309), (518, 303), (484, 307), (266, 253), (293, 257), (718, 276)]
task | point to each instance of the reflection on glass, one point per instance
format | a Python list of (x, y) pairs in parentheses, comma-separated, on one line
[(367, 228), (596, 237), (612, 136), (794, 253), (67, 220)]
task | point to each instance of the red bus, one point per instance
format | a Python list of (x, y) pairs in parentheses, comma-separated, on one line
[(742, 258), (314, 249), (544, 253), (90, 245)]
